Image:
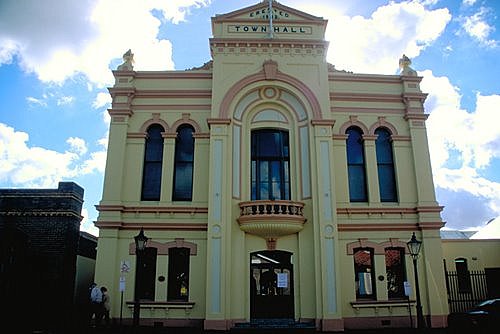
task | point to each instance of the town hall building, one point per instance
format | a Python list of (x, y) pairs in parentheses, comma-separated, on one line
[(270, 185)]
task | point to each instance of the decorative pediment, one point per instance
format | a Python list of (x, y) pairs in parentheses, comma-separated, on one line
[(268, 22), (260, 12)]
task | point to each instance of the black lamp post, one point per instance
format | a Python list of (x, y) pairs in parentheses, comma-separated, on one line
[(414, 248), (140, 245)]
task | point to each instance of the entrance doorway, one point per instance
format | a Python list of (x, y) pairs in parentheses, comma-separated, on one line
[(271, 285)]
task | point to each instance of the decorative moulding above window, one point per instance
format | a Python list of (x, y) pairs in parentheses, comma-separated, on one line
[(270, 69)]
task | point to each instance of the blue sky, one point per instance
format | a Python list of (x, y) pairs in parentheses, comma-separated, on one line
[(56, 58)]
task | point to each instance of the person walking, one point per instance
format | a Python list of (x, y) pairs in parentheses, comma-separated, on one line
[(105, 305), (96, 304)]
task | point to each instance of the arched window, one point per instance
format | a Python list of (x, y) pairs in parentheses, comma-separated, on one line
[(153, 158), (184, 162), (270, 165), (364, 272), (356, 165), (385, 166)]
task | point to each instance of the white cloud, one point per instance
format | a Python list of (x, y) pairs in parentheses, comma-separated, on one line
[(373, 45), (64, 100), (469, 2), (22, 165), (86, 224), (34, 101), (478, 28), (77, 145), (102, 99), (462, 144), (58, 38)]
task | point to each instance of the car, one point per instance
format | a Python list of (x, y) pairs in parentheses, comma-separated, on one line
[(483, 318)]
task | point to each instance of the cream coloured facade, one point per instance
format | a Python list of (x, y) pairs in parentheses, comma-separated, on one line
[(270, 184)]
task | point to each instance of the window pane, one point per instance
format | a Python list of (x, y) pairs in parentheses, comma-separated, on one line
[(178, 274), (151, 184), (387, 183), (183, 181), (364, 273), (356, 166), (146, 273), (153, 156), (183, 166), (385, 166), (270, 165), (355, 152), (395, 269), (357, 184)]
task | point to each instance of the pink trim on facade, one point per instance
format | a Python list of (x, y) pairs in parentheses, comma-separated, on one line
[(377, 322), (352, 77), (415, 96), (154, 120), (416, 116), (261, 76), (140, 135), (401, 138), (369, 137), (339, 137), (332, 325), (429, 209), (382, 123), (170, 226), (367, 110), (383, 211), (439, 321), (430, 225), (221, 325), (353, 121), (259, 43), (323, 122), (363, 243), (162, 248), (120, 112), (155, 209), (162, 75), (378, 227), (185, 120), (366, 97), (378, 248), (218, 121), (174, 94), (165, 107)]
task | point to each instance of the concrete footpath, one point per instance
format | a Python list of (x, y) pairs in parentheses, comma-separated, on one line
[(184, 330)]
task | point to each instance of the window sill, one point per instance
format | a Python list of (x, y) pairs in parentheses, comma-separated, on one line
[(186, 306), (378, 304)]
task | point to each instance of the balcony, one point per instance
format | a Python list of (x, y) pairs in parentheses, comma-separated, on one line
[(271, 219)]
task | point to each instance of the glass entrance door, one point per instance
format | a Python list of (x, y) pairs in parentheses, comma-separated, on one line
[(271, 285)]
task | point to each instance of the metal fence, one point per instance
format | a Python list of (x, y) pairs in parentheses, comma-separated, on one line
[(465, 290)]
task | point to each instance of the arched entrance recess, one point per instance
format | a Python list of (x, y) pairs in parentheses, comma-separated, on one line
[(271, 285), (270, 73)]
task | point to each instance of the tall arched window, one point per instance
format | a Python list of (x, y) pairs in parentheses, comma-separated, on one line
[(385, 166), (153, 158), (270, 165), (184, 162), (356, 165)]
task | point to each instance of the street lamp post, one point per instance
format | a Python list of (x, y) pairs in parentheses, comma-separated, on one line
[(140, 244), (414, 246)]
